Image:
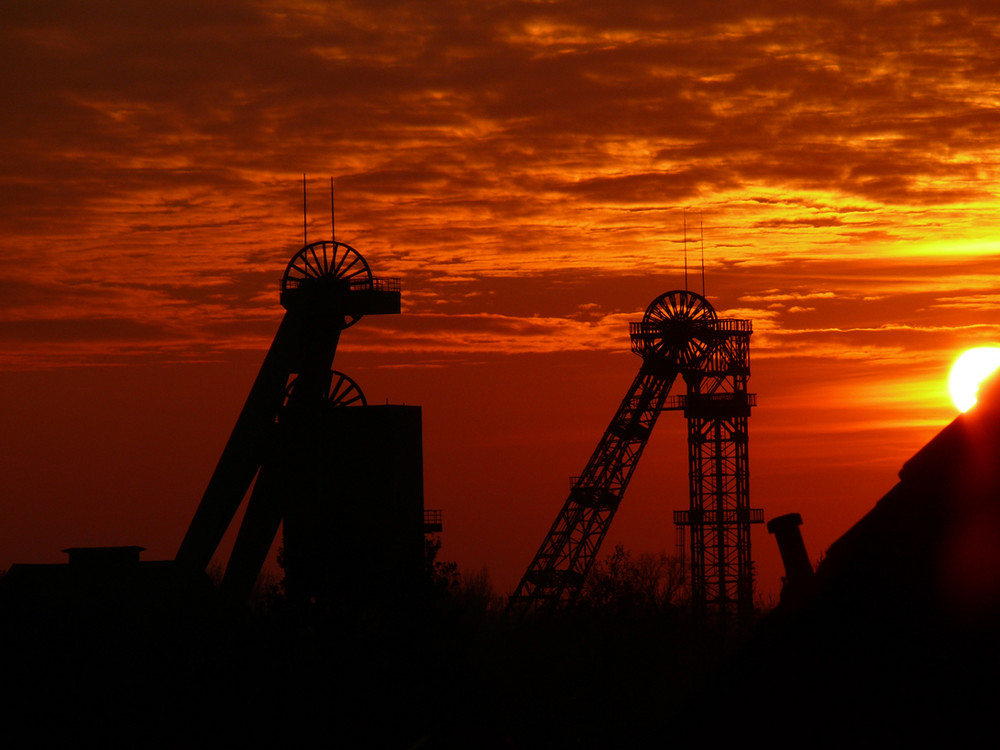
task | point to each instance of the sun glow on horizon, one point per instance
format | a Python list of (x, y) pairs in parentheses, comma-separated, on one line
[(969, 370)]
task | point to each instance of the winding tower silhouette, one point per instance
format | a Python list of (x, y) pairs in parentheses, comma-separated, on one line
[(679, 335), (327, 287)]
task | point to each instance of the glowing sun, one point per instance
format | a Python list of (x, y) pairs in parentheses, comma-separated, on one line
[(969, 371)]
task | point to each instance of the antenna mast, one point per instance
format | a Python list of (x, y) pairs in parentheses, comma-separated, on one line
[(685, 250), (702, 225)]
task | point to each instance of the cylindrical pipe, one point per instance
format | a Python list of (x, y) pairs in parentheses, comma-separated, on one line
[(786, 532)]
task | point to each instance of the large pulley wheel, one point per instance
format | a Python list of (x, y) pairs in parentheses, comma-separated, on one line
[(327, 267), (343, 391), (677, 327)]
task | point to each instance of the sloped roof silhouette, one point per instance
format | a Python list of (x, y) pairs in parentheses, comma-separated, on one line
[(897, 636)]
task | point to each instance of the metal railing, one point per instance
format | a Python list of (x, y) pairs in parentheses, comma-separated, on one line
[(376, 285), (358, 284), (729, 325), (711, 517), (683, 401), (733, 325)]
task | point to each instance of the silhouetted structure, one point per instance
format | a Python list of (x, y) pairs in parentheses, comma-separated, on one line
[(679, 335), (132, 651), (311, 461), (896, 637), (717, 407), (798, 569), (354, 522), (99, 588)]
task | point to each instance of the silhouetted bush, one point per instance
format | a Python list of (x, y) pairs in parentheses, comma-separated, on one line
[(646, 582)]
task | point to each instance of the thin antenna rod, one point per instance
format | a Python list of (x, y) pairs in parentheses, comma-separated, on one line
[(685, 250), (333, 225), (305, 227), (701, 222)]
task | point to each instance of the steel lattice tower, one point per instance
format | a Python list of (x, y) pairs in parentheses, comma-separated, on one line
[(719, 517), (678, 335)]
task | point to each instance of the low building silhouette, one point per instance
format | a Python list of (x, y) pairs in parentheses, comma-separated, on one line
[(105, 588)]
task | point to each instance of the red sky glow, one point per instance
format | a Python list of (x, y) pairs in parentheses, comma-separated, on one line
[(526, 168)]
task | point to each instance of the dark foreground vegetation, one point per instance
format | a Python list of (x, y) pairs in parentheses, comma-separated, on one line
[(449, 669), (863, 660)]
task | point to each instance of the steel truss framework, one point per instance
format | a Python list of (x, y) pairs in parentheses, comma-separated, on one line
[(719, 517), (678, 335)]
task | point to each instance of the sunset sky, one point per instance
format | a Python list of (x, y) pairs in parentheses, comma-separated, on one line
[(526, 168)]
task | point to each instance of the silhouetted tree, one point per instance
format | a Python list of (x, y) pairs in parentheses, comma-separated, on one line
[(646, 582), (477, 587), (473, 596), (442, 576)]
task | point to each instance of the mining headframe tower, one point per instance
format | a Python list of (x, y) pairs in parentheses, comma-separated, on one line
[(679, 336), (344, 477)]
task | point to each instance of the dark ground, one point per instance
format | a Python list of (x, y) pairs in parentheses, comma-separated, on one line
[(451, 673)]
